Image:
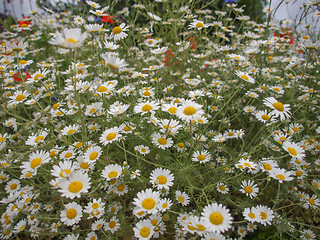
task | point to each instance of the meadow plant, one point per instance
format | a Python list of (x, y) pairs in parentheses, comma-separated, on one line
[(162, 120)]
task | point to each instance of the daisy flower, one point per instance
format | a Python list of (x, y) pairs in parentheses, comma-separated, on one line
[(154, 17), (144, 230), (12, 186), (189, 111), (35, 139), (74, 185), (182, 198), (294, 150), (19, 97), (110, 135), (198, 24), (35, 160), (71, 214), (78, 20), (112, 225), (146, 107), (161, 178), (249, 188), (213, 235), (161, 141), (266, 215), (244, 76), (63, 169), (92, 4), (71, 129), (281, 174), (216, 218), (68, 154), (148, 201), (279, 109), (159, 51), (165, 204), (112, 171), (21, 225), (118, 32), (251, 215), (95, 208), (170, 108), (263, 116), (142, 149), (201, 156), (70, 38), (92, 154), (221, 187)]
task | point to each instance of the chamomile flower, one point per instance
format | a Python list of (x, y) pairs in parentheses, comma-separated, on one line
[(161, 141), (216, 218), (294, 150), (251, 214), (35, 139), (189, 111), (71, 214), (70, 38), (144, 230), (165, 204), (265, 215), (118, 32), (36, 159), (197, 24), (146, 107), (63, 169), (147, 201), (249, 188), (281, 174), (71, 129), (221, 187), (21, 225), (12, 186), (110, 135), (142, 149), (279, 109), (213, 235), (112, 171), (112, 225), (74, 185), (245, 76), (92, 154), (182, 198), (19, 97), (161, 178), (201, 156)]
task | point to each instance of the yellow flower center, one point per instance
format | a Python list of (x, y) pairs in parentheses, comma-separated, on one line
[(181, 199), (295, 129), (279, 106), (199, 25), (71, 213), (75, 186), (216, 218), (92, 110), (172, 110), (36, 77), (263, 215), (165, 205), (93, 156), (248, 189), (222, 188), (180, 145), (201, 157), (244, 77), (162, 179), (102, 89), (71, 131), (267, 166), (148, 203), (265, 117), (311, 201), (65, 173), (112, 174), (251, 215), (112, 224), (35, 162), (111, 136), (13, 186), (162, 141), (189, 111), (144, 232), (146, 93), (68, 155), (2, 139), (292, 151), (116, 30), (280, 176), (84, 165), (71, 40), (23, 62), (39, 138), (146, 108), (20, 97)]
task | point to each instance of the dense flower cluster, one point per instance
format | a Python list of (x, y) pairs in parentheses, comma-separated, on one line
[(189, 127)]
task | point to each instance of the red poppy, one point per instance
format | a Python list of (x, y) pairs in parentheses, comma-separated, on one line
[(193, 42), (108, 19), (24, 22), (20, 77)]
